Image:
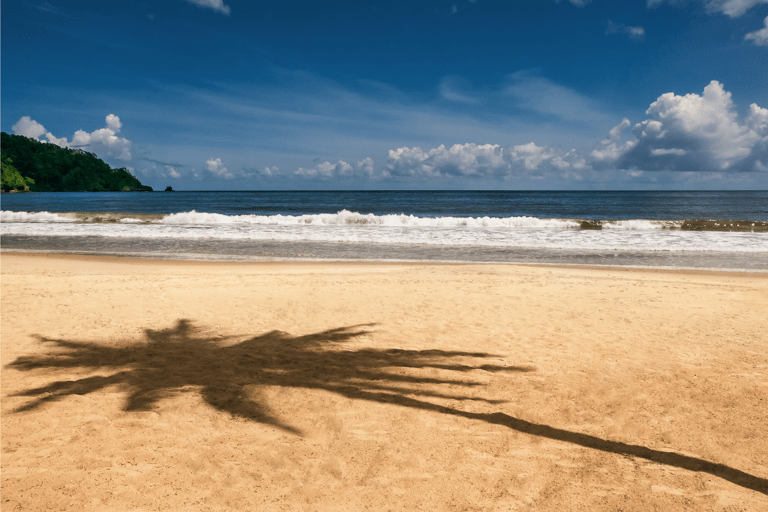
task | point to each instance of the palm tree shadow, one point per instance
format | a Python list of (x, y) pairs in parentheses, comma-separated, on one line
[(181, 359)]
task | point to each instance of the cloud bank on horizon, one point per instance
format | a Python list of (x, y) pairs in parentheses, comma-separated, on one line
[(691, 133)]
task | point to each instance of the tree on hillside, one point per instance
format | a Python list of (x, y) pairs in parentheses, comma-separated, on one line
[(51, 168), (11, 179)]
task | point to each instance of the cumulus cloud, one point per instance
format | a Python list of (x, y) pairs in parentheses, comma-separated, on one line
[(692, 133), (635, 33), (487, 160), (113, 123), (757, 120), (461, 159), (28, 127), (217, 168), (760, 37), (672, 151), (103, 142), (325, 170)]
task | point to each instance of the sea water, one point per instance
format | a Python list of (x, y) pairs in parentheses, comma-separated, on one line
[(719, 230)]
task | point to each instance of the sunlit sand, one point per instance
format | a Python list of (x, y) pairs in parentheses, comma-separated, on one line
[(156, 385)]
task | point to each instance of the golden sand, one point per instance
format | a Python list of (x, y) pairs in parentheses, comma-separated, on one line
[(156, 385)]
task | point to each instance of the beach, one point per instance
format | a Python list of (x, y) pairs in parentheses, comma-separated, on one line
[(142, 384)]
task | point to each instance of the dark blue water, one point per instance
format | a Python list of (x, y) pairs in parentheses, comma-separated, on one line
[(666, 205)]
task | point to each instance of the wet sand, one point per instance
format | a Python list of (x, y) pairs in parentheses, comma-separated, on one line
[(132, 384)]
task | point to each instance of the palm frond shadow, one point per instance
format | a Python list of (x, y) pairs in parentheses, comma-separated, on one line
[(180, 359)]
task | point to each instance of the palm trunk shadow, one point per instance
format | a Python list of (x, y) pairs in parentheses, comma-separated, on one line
[(686, 462), (179, 359)]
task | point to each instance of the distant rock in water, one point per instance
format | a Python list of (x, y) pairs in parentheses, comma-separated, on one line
[(47, 167), (591, 224), (169, 188)]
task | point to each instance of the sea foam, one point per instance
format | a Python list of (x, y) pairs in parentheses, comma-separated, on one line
[(43, 217), (347, 218), (351, 227)]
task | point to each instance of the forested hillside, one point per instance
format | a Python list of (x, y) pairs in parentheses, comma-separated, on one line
[(50, 168)]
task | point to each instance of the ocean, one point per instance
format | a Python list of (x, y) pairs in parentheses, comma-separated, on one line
[(702, 230)]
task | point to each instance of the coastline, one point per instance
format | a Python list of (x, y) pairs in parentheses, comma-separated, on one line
[(339, 386), (170, 261)]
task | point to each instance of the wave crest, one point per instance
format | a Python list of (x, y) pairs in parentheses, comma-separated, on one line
[(347, 218), (41, 217)]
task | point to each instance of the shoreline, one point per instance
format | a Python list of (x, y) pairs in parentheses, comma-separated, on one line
[(368, 263)]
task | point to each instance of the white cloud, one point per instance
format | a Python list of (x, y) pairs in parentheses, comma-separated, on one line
[(757, 119), (732, 8), (611, 148), (113, 123), (487, 160), (216, 5), (760, 37), (461, 159), (693, 133), (671, 151), (218, 169), (615, 133), (28, 127), (635, 33), (214, 165), (684, 136), (103, 142), (342, 169), (60, 141), (365, 167)]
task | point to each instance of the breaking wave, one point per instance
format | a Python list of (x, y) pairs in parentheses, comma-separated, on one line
[(352, 227)]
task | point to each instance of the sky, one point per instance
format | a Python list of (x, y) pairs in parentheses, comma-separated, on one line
[(398, 94)]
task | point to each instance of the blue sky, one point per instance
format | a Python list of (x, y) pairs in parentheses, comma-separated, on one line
[(417, 94)]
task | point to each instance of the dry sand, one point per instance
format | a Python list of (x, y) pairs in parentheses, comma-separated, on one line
[(156, 385)]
